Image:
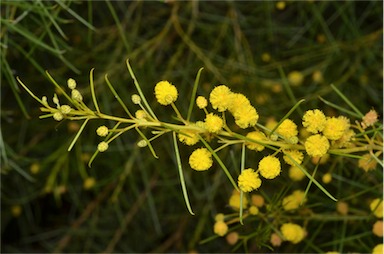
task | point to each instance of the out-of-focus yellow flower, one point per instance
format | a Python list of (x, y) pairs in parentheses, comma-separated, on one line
[(292, 232)]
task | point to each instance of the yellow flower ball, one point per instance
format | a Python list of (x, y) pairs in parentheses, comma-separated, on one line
[(140, 114), (257, 200), (287, 129), (238, 100), (58, 116), (234, 201), (378, 249), (201, 102), (220, 228), (219, 217), (292, 232), (165, 93), (102, 131), (102, 146), (335, 127), (200, 159), (89, 182), (220, 98), (316, 145), (188, 137), (327, 178), (71, 83), (314, 121), (377, 228), (295, 155), (269, 167), (232, 238), (296, 174), (293, 201), (256, 135), (246, 116), (342, 207), (249, 180), (376, 207), (253, 210), (295, 78), (213, 123)]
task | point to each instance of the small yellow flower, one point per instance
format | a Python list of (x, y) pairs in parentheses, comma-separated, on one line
[(220, 98), (269, 167), (293, 201), (296, 156), (89, 182), (102, 146), (256, 135), (287, 129), (292, 232), (249, 180), (320, 160), (296, 174), (367, 162), (140, 114), (257, 200), (327, 178), (220, 228), (295, 78), (238, 100), (316, 145), (234, 200), (370, 118), (342, 207), (71, 83), (136, 99), (335, 127), (376, 207), (232, 238), (165, 93), (253, 210), (201, 102), (378, 249), (377, 228), (102, 131), (219, 217), (314, 121), (188, 137), (200, 159), (280, 5), (213, 123), (246, 116)]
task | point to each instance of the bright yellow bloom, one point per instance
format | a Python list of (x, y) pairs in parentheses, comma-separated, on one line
[(292, 232), (238, 100), (293, 201), (213, 123), (246, 116), (316, 145), (367, 162), (377, 228), (378, 249), (296, 156), (376, 207), (269, 167), (249, 180), (220, 98), (295, 78), (234, 200), (189, 137), (140, 114), (200, 159), (295, 173), (335, 127), (287, 129), (327, 178), (314, 121), (201, 102), (256, 135), (220, 228), (165, 93)]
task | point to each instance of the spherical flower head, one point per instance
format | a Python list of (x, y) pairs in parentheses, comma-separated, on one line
[(232, 238), (220, 228), (376, 207), (58, 116), (89, 182), (292, 232), (253, 210), (257, 200), (316, 145), (295, 155), (188, 137), (287, 129), (102, 146), (295, 78), (76, 95), (201, 102), (256, 135), (335, 127), (314, 121), (249, 180), (165, 93), (327, 178), (71, 83), (269, 167), (213, 123), (140, 114), (296, 174), (200, 159), (377, 228), (65, 109), (378, 249), (136, 99), (246, 116), (342, 207), (238, 100), (220, 98), (102, 131), (370, 118), (293, 201), (234, 201), (219, 217), (367, 162)]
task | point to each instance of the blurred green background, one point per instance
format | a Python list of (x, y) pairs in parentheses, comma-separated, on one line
[(136, 204)]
